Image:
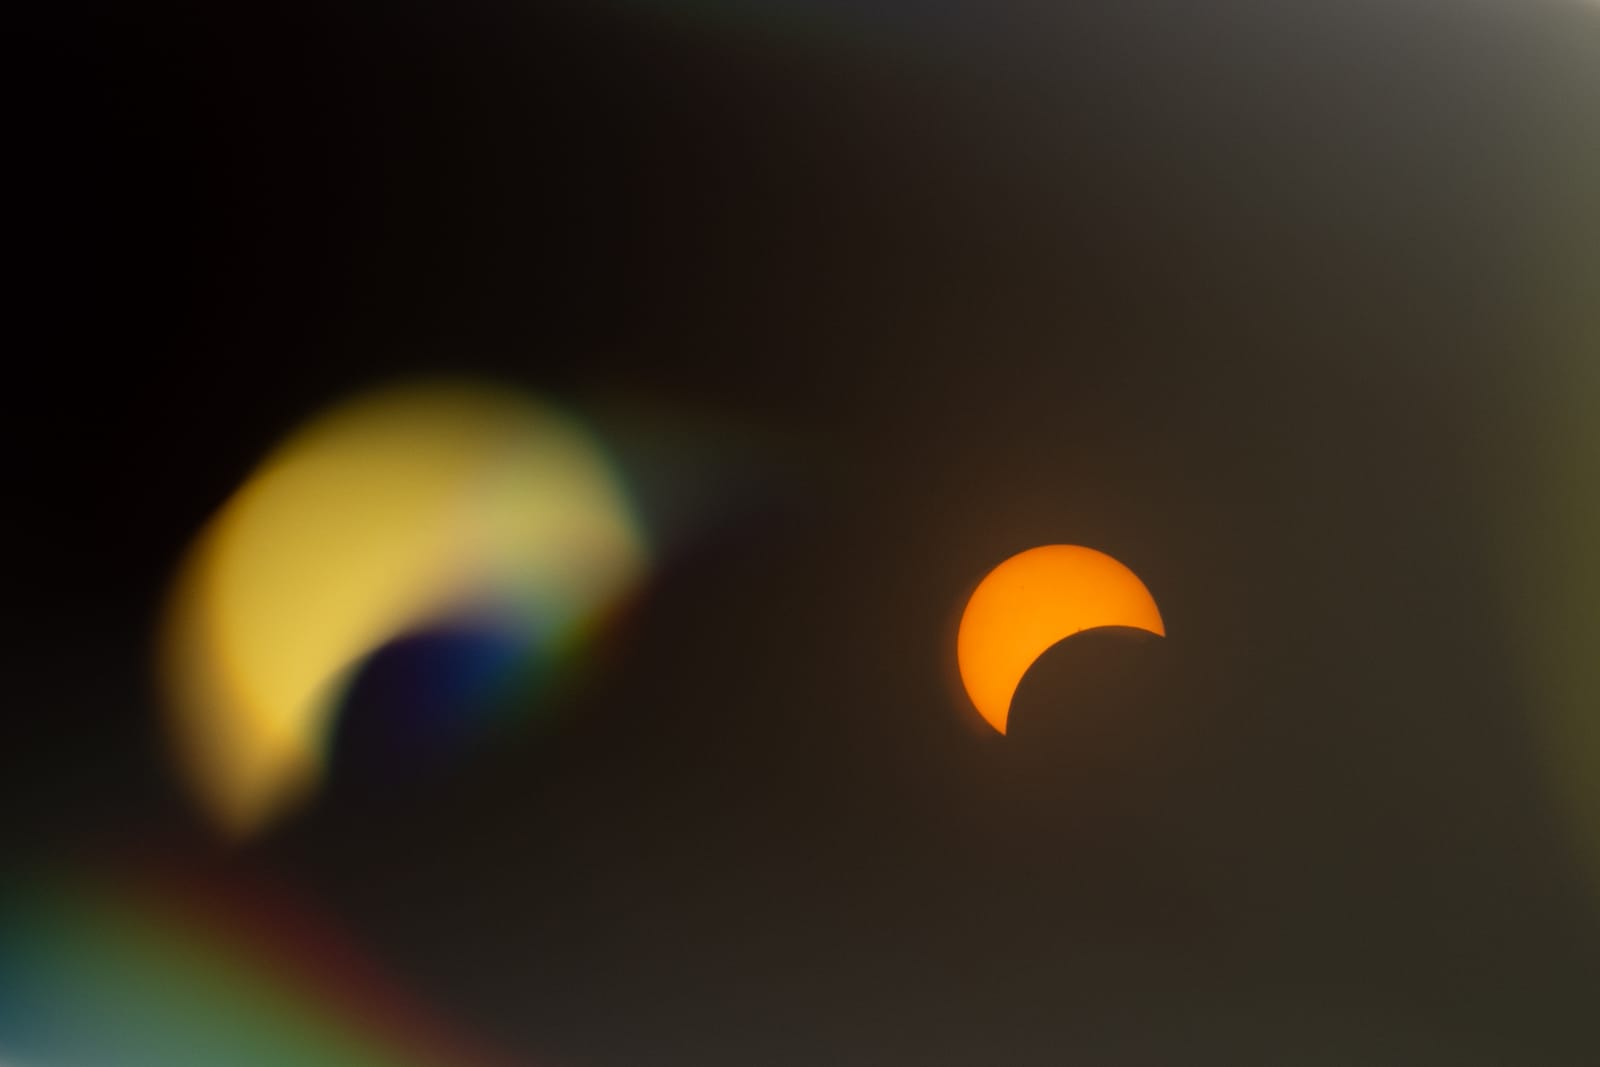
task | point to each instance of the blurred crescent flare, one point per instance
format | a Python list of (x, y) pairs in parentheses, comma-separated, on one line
[(399, 508), (1033, 600)]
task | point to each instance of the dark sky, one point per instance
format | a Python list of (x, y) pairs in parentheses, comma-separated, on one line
[(1258, 299)]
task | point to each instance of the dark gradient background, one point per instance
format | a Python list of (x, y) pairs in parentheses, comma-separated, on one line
[(1265, 300)]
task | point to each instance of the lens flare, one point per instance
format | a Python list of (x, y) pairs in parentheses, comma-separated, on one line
[(1553, 584), (403, 509), (138, 972)]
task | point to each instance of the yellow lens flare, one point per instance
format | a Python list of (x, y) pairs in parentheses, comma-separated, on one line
[(401, 507), (1033, 600)]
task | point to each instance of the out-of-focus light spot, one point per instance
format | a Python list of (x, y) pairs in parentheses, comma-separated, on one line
[(1553, 582), (1030, 602), (163, 972), (402, 510)]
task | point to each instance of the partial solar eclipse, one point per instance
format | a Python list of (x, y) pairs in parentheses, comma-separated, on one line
[(1029, 603)]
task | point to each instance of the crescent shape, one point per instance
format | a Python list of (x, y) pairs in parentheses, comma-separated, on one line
[(1033, 600), (394, 510)]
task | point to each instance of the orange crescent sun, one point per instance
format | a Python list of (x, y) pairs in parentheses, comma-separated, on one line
[(1033, 600)]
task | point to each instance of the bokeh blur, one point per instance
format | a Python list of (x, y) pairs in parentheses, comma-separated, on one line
[(400, 515), (493, 488)]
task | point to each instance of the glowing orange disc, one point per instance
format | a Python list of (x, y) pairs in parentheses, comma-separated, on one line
[(1030, 602)]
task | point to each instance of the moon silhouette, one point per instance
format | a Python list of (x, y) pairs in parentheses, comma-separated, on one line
[(1033, 600)]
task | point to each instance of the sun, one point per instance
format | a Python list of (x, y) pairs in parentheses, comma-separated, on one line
[(1033, 600)]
